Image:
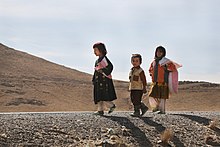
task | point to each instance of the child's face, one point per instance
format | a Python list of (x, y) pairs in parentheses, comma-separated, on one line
[(159, 53), (135, 62), (97, 52)]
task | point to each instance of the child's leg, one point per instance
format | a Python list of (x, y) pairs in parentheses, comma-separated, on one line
[(100, 109), (110, 103), (136, 96), (136, 100), (162, 105), (100, 106), (112, 106), (157, 102), (144, 108)]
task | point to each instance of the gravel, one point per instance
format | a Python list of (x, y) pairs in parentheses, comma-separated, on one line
[(70, 129)]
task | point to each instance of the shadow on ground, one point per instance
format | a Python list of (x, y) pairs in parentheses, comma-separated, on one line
[(136, 132), (160, 128)]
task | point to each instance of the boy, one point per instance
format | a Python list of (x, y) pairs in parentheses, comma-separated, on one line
[(137, 85)]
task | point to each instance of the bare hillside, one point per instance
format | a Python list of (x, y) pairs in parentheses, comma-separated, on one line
[(29, 83), (22, 65), (196, 96)]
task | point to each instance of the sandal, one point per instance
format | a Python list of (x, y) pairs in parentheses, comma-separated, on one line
[(111, 109)]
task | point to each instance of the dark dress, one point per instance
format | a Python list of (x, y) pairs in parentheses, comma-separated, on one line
[(103, 87)]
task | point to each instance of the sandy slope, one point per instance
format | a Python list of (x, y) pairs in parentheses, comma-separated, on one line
[(29, 83)]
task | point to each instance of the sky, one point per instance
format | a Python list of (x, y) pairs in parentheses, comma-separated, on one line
[(64, 31)]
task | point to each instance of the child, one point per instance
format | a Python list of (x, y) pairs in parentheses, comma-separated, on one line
[(103, 86), (137, 85), (160, 70)]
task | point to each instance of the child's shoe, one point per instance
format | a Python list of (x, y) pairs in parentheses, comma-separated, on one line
[(156, 109), (111, 109), (161, 112), (144, 109), (136, 112), (101, 113)]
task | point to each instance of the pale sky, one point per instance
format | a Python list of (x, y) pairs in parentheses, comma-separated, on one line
[(64, 31)]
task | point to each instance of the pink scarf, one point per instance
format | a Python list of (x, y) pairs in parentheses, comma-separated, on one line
[(173, 76)]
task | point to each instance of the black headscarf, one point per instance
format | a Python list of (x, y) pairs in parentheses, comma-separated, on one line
[(162, 49), (157, 59)]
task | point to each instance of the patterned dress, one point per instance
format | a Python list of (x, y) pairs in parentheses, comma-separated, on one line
[(103, 85)]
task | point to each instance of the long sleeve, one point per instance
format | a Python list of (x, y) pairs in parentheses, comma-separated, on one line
[(143, 78), (151, 69), (108, 69)]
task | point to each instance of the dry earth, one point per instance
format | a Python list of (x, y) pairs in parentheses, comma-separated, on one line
[(32, 84)]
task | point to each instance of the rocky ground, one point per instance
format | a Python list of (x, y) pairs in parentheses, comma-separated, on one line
[(118, 129)]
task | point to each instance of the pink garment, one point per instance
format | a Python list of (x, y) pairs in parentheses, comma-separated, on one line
[(101, 65), (173, 76), (173, 82), (153, 103)]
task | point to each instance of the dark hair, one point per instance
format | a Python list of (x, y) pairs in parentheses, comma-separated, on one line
[(162, 49), (136, 56), (101, 47)]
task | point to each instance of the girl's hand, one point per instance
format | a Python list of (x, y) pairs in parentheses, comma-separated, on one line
[(100, 71)]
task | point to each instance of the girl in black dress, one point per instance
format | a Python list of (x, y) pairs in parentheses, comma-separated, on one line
[(104, 90)]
